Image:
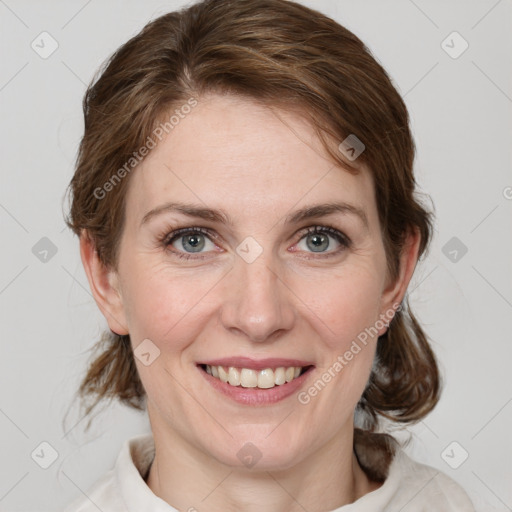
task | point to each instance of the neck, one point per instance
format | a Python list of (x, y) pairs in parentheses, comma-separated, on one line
[(188, 479)]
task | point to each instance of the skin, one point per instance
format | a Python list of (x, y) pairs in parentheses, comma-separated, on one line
[(258, 165)]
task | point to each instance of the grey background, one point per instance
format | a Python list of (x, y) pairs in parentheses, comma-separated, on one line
[(461, 117)]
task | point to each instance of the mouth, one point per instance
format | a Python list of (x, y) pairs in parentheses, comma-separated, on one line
[(266, 378), (256, 382)]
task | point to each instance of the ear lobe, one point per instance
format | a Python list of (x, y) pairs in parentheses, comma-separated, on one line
[(103, 284), (395, 292)]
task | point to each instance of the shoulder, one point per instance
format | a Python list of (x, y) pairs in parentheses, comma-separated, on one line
[(406, 484), (110, 491), (423, 488)]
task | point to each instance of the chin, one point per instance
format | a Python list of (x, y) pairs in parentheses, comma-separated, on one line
[(259, 451)]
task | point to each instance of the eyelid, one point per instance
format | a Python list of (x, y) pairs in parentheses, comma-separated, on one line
[(169, 236), (329, 230)]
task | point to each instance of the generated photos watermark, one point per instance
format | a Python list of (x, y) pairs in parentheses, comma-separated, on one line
[(151, 142), (304, 397)]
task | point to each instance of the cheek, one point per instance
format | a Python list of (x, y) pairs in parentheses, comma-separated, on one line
[(161, 303), (342, 306), (343, 311)]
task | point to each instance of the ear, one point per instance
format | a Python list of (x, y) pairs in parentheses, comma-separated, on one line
[(395, 291), (104, 286)]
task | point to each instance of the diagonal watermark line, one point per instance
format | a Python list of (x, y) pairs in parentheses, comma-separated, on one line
[(15, 424), (421, 79), (73, 427), (424, 14), (301, 300), (74, 73), (423, 423), (13, 76), (77, 281), (491, 419), (491, 490), (101, 510), (484, 218), (302, 197), (428, 482), (5, 495), (491, 80), (13, 217), (205, 294), (198, 402), (317, 151), (280, 423), (76, 14), (286, 491), (491, 286), (216, 487), (485, 15), (2, 2), (165, 165), (87, 291), (13, 279), (423, 280)]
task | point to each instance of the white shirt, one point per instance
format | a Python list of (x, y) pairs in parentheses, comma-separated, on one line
[(409, 487)]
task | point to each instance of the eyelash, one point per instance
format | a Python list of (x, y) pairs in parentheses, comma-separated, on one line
[(168, 238)]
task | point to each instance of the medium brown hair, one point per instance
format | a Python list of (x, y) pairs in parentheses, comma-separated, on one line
[(282, 54)]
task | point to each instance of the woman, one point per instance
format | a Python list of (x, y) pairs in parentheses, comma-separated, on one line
[(244, 198)]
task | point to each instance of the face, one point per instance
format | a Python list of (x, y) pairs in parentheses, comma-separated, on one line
[(246, 272)]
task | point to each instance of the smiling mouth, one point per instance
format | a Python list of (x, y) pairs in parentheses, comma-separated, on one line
[(249, 378)]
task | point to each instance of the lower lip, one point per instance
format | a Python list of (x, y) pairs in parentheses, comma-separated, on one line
[(256, 396)]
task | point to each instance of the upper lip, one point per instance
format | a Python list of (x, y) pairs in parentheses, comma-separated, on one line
[(255, 364)]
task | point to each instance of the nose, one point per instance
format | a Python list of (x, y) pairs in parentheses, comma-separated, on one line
[(258, 304)]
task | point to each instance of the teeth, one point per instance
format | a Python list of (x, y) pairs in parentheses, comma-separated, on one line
[(280, 376), (247, 378), (223, 374), (266, 379), (234, 376)]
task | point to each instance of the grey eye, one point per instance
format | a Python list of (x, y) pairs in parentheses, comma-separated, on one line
[(192, 242), (317, 242)]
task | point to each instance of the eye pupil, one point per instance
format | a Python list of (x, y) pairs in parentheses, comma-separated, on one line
[(196, 242), (319, 242)]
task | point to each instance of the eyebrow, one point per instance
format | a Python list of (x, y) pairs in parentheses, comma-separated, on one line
[(306, 213)]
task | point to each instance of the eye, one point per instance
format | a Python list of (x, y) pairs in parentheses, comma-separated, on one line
[(189, 241), (318, 239)]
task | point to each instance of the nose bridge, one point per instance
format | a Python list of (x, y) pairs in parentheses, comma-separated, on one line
[(259, 304)]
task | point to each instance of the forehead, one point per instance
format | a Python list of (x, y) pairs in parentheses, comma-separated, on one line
[(237, 154)]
